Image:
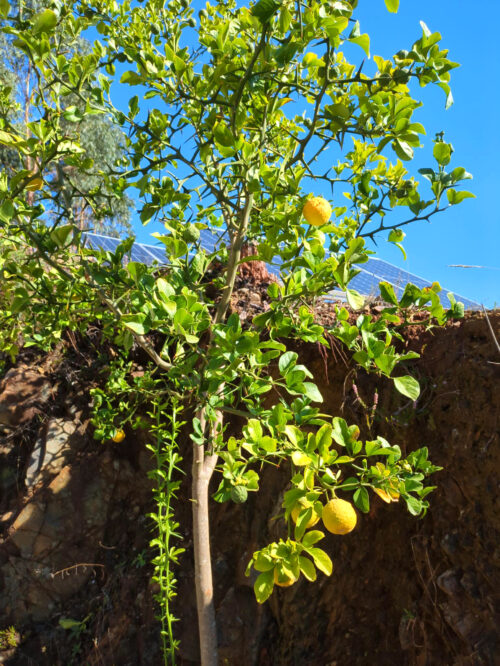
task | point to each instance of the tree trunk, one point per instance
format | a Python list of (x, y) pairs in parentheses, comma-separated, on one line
[(204, 461), (203, 467)]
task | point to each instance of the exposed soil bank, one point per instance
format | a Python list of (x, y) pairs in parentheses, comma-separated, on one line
[(403, 591)]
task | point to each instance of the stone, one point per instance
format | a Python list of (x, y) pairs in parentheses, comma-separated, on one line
[(51, 451), (26, 528), (52, 547), (43, 545), (449, 582)]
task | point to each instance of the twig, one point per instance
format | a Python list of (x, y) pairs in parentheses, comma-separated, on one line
[(85, 565)]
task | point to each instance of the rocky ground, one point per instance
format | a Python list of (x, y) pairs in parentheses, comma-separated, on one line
[(74, 572)]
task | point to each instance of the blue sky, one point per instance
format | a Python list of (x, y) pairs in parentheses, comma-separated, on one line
[(468, 233)]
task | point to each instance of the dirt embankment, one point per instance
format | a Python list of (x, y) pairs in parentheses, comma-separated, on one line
[(403, 591)]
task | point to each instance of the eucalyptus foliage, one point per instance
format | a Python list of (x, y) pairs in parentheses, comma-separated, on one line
[(98, 136), (236, 115)]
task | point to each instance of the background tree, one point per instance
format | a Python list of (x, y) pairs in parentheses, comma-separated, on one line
[(101, 139), (227, 138)]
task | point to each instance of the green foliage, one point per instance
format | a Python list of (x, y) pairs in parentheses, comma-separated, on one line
[(8, 638), (223, 132), (76, 630), (325, 462), (167, 464), (131, 401), (78, 187)]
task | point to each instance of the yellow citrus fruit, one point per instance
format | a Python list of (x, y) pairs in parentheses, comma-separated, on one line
[(339, 516), (295, 515), (283, 581), (119, 436), (317, 211)]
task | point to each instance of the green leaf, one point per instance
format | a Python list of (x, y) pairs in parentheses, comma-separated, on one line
[(300, 459), (268, 444), (253, 430), (60, 235), (455, 197), (136, 270), (425, 29), (312, 537), (403, 251), (372, 447), (410, 295), (392, 5), (387, 292), (132, 78), (287, 362), (414, 505), (45, 21), (362, 499), (73, 114), (307, 568), (457, 308), (386, 363), (324, 439), (355, 300), (4, 8), (265, 9), (165, 289), (402, 149), (285, 19), (68, 623), (449, 96), (311, 391), (321, 560), (301, 524), (442, 153), (408, 386), (6, 211), (263, 563), (263, 586), (223, 135), (135, 322), (363, 41), (340, 431)]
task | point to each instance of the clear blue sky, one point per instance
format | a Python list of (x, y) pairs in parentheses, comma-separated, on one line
[(468, 233)]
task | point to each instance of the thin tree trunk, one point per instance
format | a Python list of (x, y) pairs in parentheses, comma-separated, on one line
[(204, 461), (203, 467), (30, 196)]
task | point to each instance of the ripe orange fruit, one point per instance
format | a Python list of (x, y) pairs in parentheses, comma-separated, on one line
[(339, 516), (119, 436), (317, 211), (295, 515), (283, 581)]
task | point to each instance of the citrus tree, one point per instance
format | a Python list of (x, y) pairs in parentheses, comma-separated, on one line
[(251, 123)]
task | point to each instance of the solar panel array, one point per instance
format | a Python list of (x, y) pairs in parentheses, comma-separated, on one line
[(366, 282)]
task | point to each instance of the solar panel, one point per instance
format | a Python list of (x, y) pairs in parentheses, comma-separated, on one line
[(366, 282), (210, 239), (158, 253), (396, 276), (379, 270)]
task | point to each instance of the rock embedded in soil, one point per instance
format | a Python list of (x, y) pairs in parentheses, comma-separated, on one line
[(51, 451)]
